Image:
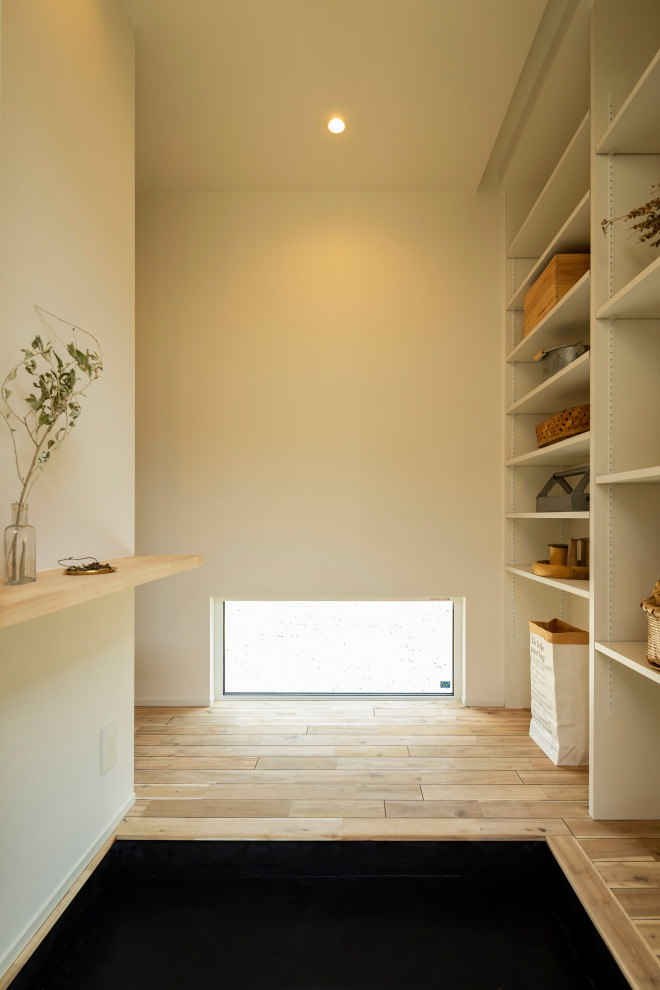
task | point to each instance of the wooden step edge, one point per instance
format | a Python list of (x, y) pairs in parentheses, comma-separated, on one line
[(633, 955), (17, 965)]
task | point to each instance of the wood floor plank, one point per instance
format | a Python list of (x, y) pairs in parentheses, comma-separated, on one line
[(169, 711), (172, 790), (640, 903), (189, 720), (630, 875), (511, 792), (230, 828), (286, 766), (338, 809), (476, 746), (270, 749), (181, 775), (579, 776), (297, 763), (194, 763), (650, 932), (453, 729), (354, 741), (434, 809), (621, 849), (464, 759), (197, 735), (392, 778), (317, 792), (216, 808), (454, 828), (592, 829), (233, 723), (486, 809)]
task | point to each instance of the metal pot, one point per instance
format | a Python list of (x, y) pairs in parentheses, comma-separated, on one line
[(556, 358)]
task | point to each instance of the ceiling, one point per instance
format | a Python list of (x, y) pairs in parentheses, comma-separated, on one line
[(235, 95)]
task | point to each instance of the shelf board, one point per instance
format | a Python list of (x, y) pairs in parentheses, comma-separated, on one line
[(579, 588), (638, 300), (636, 128), (640, 476), (569, 387), (55, 590), (547, 515), (558, 101), (566, 452), (562, 325), (574, 237), (632, 655), (565, 187)]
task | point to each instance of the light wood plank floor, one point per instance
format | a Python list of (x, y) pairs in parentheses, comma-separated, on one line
[(383, 768)]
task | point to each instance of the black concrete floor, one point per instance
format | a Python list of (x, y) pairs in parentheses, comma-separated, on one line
[(324, 916)]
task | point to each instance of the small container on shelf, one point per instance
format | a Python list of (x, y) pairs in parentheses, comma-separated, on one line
[(572, 498), (555, 358), (564, 561)]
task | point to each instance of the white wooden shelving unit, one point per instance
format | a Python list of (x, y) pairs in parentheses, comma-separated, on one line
[(580, 588), (558, 221), (571, 238), (606, 168), (571, 384), (638, 299), (575, 450), (625, 336), (640, 476)]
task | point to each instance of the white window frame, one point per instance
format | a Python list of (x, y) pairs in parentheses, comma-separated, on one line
[(217, 652)]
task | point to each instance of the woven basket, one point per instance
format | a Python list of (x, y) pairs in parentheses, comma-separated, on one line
[(567, 423), (651, 606)]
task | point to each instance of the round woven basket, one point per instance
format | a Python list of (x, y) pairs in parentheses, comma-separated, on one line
[(653, 645), (651, 606), (565, 424)]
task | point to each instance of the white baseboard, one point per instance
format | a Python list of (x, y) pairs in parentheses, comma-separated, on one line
[(174, 702), (483, 703), (35, 923)]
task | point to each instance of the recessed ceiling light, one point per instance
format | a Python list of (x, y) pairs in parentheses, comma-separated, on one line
[(336, 125)]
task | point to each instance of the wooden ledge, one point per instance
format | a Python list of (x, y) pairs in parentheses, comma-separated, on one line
[(55, 590), (634, 957)]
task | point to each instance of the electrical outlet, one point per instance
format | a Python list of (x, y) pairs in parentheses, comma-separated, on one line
[(109, 746)]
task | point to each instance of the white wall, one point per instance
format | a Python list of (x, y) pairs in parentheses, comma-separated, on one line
[(66, 243), (318, 412), (63, 678)]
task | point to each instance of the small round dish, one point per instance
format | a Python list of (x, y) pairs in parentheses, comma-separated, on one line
[(105, 569)]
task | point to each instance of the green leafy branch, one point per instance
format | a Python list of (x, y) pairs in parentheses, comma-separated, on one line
[(41, 394), (648, 228)]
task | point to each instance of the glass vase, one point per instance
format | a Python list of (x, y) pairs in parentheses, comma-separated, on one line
[(20, 548)]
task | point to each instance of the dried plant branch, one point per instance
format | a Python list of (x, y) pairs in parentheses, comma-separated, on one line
[(57, 374), (648, 228)]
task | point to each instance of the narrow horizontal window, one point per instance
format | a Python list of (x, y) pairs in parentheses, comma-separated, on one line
[(359, 647)]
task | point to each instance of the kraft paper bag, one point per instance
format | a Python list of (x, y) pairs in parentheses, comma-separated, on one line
[(559, 670)]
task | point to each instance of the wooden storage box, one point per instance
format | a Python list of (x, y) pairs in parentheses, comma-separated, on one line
[(552, 284)]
